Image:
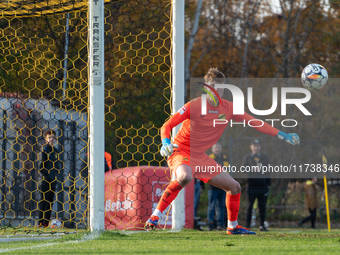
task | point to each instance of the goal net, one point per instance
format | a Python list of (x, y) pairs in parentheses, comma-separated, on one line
[(44, 85)]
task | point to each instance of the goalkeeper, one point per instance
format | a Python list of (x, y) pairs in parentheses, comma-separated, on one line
[(195, 137)]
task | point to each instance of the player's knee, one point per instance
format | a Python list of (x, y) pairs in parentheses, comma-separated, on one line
[(184, 179), (235, 188)]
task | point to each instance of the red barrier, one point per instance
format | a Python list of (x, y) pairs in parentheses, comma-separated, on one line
[(132, 193)]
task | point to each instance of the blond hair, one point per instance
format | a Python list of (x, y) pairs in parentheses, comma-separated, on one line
[(212, 74)]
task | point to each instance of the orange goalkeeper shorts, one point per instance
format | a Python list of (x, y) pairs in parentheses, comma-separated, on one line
[(202, 166)]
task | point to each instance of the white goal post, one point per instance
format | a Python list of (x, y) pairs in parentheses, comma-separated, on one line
[(96, 108), (178, 80), (97, 102)]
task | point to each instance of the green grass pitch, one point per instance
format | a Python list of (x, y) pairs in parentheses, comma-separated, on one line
[(277, 241)]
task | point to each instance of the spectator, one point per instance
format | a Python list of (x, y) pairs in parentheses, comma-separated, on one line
[(49, 167), (216, 196), (311, 201), (257, 187)]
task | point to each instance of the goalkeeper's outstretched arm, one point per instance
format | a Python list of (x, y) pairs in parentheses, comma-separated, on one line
[(265, 128)]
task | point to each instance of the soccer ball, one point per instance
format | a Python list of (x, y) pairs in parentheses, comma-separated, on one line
[(55, 223), (314, 76)]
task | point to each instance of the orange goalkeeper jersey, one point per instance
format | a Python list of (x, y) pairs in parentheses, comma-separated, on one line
[(198, 133)]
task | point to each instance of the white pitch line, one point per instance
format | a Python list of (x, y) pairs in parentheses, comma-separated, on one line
[(85, 238), (25, 248), (6, 240)]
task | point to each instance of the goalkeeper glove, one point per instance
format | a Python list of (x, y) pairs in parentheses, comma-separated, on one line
[(167, 148), (291, 138)]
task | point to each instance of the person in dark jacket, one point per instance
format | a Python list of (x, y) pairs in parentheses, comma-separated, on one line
[(49, 167), (257, 187)]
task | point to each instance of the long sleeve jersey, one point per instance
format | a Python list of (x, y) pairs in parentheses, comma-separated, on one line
[(198, 132)]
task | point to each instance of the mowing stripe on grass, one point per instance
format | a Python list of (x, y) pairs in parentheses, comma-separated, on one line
[(288, 232)]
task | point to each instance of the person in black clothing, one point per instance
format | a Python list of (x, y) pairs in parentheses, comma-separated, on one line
[(257, 187), (50, 167)]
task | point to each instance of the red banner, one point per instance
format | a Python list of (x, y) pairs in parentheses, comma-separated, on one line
[(132, 193)]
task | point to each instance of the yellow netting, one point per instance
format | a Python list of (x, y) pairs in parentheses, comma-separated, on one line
[(41, 7), (39, 90)]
